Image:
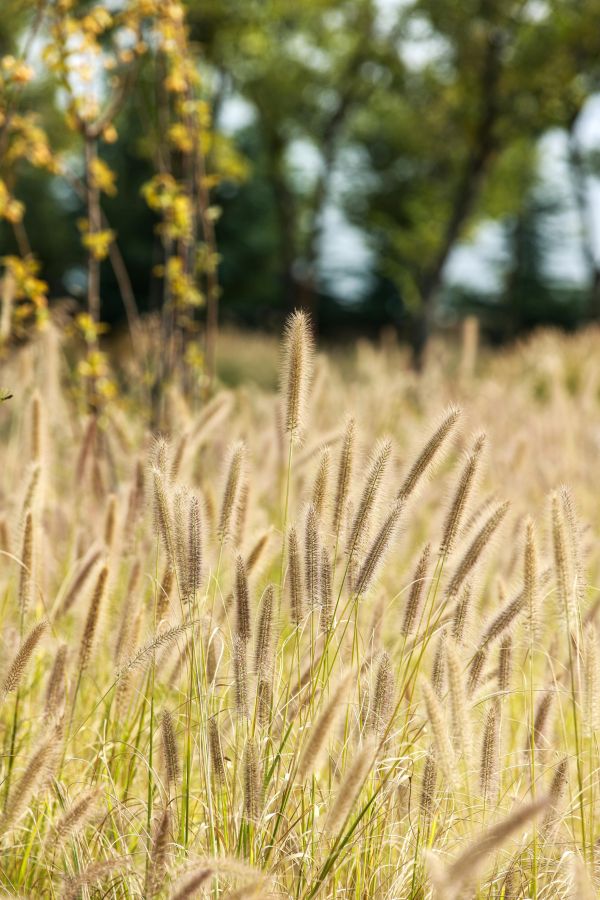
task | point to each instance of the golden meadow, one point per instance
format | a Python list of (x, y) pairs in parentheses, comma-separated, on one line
[(336, 641)]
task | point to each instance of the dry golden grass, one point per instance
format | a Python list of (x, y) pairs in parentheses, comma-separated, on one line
[(324, 643)]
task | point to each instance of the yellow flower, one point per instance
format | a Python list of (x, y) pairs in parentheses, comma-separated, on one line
[(10, 209), (180, 137), (97, 242), (110, 134), (102, 177)]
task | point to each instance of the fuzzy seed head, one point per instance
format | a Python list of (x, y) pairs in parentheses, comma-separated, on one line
[(462, 495), (476, 548), (242, 600), (344, 475), (413, 604), (296, 374), (428, 453), (169, 748), (295, 578), (311, 557), (91, 623), (231, 490), (379, 461)]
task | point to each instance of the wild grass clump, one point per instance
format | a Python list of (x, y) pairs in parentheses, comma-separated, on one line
[(321, 644)]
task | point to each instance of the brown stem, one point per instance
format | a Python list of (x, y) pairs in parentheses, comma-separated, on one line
[(94, 226)]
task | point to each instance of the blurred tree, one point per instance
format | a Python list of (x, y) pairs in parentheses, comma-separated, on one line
[(527, 295), (451, 136), (424, 114), (302, 70)]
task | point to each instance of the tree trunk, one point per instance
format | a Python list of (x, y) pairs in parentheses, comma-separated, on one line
[(419, 338), (467, 190)]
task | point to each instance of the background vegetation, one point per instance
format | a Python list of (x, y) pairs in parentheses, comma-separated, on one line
[(387, 129)]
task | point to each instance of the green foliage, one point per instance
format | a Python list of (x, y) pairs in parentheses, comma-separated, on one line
[(420, 119)]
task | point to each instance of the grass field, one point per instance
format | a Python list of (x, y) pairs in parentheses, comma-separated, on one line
[(335, 641)]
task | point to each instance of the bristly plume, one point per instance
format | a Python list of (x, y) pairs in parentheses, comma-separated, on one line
[(56, 689), (461, 497), (241, 513), (344, 475), (36, 428), (438, 670), (216, 753), (85, 569), (503, 620), (476, 669), (378, 550), (439, 730), (26, 570), (252, 782), (110, 522), (180, 541), (242, 600), (231, 489), (163, 520), (190, 883), (574, 543), (505, 664), (194, 556), (264, 702), (461, 721), (91, 623), (319, 491), (591, 680), (381, 708), (581, 886), (296, 373), (295, 578), (311, 556), (159, 856), (144, 654), (325, 578), (490, 745), (351, 785), (263, 660), (460, 620), (379, 460), (75, 817), (256, 552), (566, 596), (34, 480), (36, 774), (169, 748), (313, 748), (428, 785), (557, 787), (451, 881), (240, 670), (159, 456), (178, 456), (19, 664), (413, 604), (541, 720), (428, 453), (476, 547), (94, 872)]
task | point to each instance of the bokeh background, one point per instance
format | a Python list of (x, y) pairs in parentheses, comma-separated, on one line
[(391, 165)]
